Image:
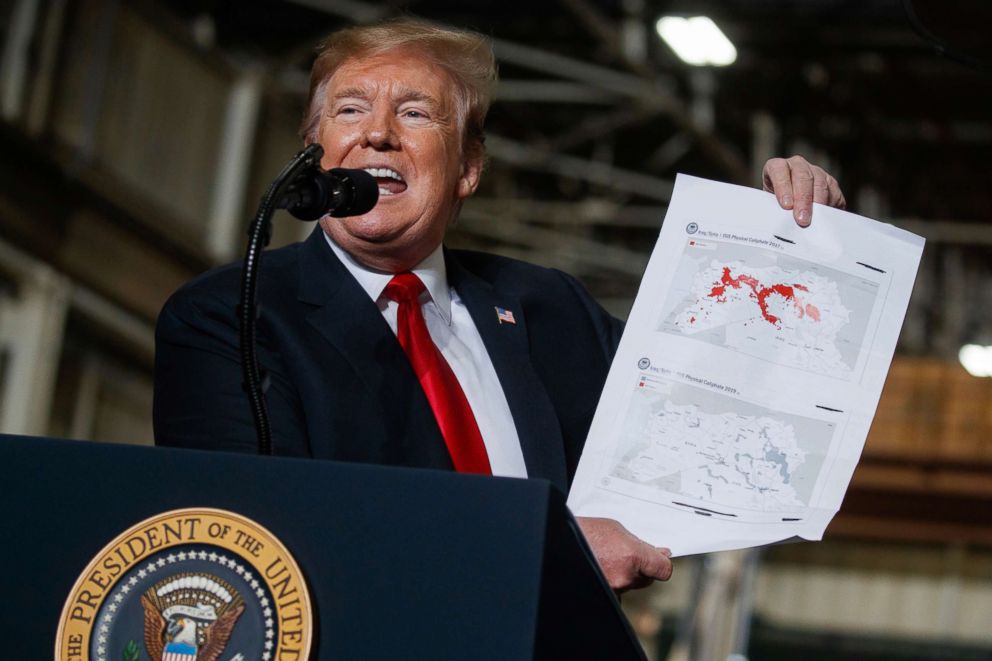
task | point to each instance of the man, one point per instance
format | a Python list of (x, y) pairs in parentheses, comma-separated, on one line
[(521, 352)]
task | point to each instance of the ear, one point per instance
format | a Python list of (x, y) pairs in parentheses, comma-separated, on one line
[(472, 165)]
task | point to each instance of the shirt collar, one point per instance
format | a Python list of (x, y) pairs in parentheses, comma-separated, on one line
[(431, 272)]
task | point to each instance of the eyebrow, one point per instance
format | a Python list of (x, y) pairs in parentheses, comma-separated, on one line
[(408, 94), (352, 92)]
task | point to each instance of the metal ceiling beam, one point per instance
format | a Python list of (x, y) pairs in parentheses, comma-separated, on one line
[(534, 158), (609, 35), (659, 93), (15, 58), (649, 94), (551, 91), (581, 249), (666, 155), (590, 212), (600, 125)]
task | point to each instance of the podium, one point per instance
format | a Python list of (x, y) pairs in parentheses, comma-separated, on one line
[(400, 563)]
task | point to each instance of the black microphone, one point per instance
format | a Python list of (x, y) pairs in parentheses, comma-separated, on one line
[(308, 193), (339, 192)]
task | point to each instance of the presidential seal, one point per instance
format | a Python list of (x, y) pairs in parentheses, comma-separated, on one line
[(189, 585)]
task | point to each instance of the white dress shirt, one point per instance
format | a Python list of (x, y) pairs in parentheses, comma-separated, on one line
[(454, 333)]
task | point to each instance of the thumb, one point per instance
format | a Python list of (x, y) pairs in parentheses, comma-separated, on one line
[(656, 562)]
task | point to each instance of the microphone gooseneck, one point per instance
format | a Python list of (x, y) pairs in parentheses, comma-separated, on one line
[(308, 192)]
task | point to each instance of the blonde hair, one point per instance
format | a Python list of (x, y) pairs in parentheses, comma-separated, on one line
[(466, 56)]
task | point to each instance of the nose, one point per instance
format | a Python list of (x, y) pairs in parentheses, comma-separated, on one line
[(380, 132)]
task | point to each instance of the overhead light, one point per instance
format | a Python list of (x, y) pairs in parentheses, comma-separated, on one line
[(696, 40), (976, 359)]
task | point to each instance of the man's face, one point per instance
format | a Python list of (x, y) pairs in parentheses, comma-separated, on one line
[(394, 116)]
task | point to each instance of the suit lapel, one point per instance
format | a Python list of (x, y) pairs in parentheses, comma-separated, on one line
[(350, 321), (533, 413)]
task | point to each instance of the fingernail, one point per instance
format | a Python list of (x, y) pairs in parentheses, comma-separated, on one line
[(787, 201), (803, 217), (666, 552)]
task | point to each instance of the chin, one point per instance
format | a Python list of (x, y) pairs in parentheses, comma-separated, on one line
[(371, 227)]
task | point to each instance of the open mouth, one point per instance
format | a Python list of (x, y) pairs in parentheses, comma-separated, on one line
[(390, 181)]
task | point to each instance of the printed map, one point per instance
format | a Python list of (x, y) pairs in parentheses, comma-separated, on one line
[(689, 443), (769, 306)]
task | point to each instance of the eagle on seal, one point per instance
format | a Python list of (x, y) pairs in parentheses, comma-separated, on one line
[(177, 639)]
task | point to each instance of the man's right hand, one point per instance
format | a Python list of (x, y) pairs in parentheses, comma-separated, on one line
[(797, 184), (627, 561)]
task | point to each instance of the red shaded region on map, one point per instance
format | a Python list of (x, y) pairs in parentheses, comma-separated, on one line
[(761, 293)]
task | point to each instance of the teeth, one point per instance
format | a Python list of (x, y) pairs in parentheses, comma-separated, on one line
[(384, 172), (383, 191)]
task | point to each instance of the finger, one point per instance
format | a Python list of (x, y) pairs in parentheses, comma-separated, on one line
[(656, 564), (836, 198), (821, 185), (776, 179), (802, 188)]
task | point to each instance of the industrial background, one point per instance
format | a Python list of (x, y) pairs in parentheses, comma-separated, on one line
[(138, 135)]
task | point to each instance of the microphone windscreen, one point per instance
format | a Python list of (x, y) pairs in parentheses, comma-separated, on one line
[(360, 192)]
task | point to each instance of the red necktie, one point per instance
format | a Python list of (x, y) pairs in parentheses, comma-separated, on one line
[(451, 408)]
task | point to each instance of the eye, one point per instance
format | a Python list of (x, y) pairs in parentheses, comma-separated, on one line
[(414, 114), (348, 108)]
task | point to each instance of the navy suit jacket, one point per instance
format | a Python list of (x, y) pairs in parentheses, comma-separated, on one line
[(341, 385)]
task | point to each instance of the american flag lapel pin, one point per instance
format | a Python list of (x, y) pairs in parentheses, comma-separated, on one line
[(505, 316)]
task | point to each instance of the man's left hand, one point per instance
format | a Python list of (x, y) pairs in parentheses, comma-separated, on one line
[(797, 184), (627, 561)]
